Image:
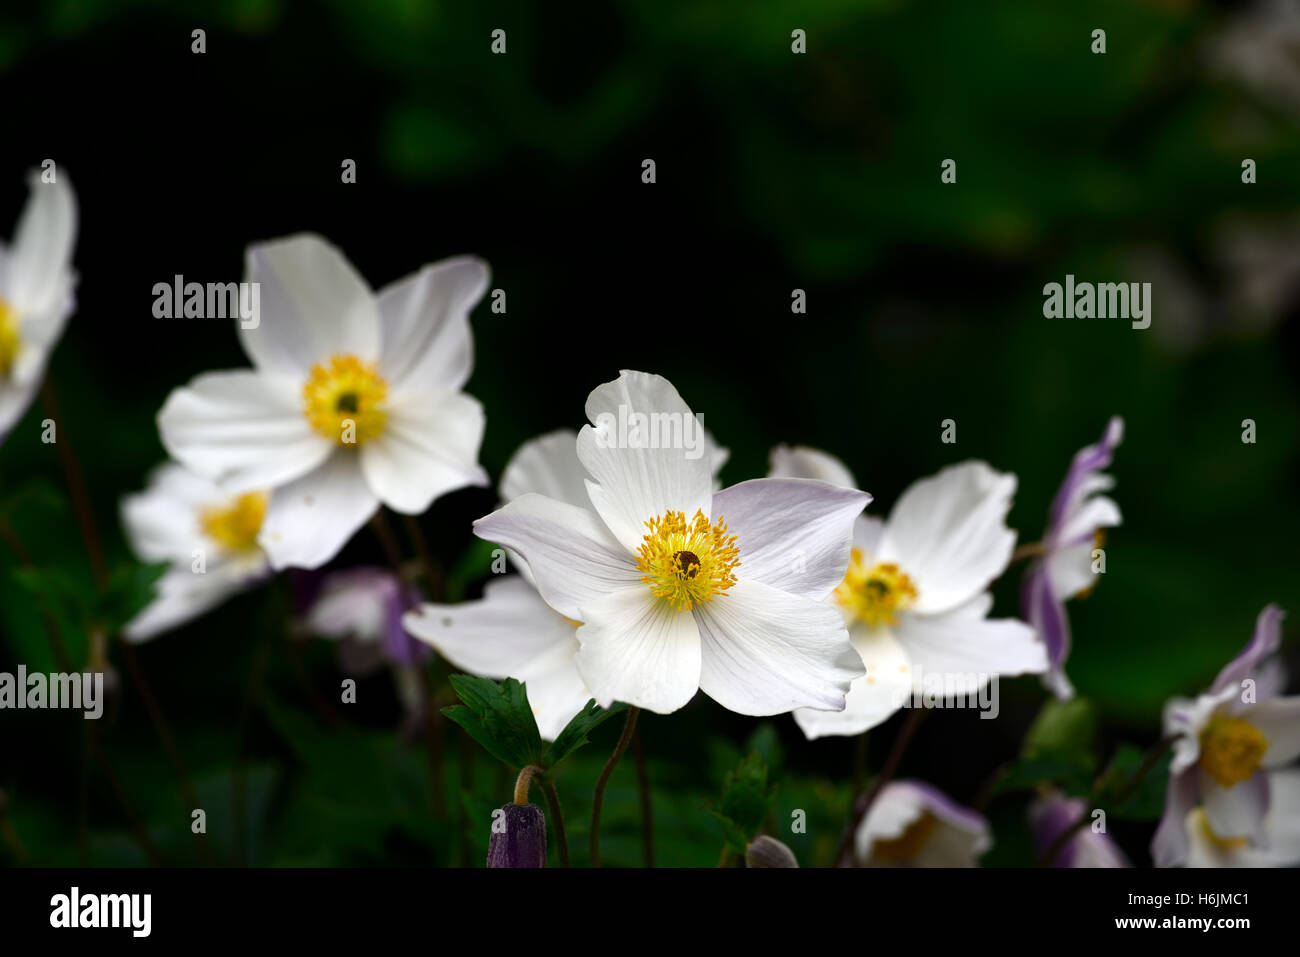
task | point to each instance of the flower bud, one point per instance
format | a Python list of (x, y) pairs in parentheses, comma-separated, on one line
[(518, 837), (764, 851)]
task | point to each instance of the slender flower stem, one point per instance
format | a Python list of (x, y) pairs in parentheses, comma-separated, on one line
[(432, 718), (647, 806), (557, 821), (524, 780), (1028, 550), (598, 798), (432, 571), (77, 491), (1149, 760), (844, 852)]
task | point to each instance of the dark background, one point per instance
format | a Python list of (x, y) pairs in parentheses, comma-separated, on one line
[(775, 172)]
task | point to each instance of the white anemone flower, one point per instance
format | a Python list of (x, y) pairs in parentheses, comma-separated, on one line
[(680, 588), (915, 597), (353, 399), (1279, 845), (912, 824), (208, 536), (511, 632), (1225, 742), (36, 298)]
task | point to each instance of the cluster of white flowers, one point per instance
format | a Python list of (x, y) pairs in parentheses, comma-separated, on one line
[(639, 579)]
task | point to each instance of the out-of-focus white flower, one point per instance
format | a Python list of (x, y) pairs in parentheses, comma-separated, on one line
[(36, 298), (911, 824), (353, 399), (1280, 836), (915, 598), (1051, 815), (1064, 569), (1225, 743), (208, 536), (680, 589)]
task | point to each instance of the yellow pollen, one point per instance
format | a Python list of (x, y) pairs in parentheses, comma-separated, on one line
[(1231, 749), (877, 594), (687, 563), (9, 338), (1223, 843), (235, 526), (907, 845), (344, 400)]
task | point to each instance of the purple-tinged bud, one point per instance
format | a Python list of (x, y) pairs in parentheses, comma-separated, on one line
[(764, 851), (518, 837)]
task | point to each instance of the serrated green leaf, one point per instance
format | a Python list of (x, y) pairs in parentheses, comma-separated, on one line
[(498, 717), (130, 590), (1063, 728), (576, 731), (746, 800)]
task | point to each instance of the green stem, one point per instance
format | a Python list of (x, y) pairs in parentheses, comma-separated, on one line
[(598, 798), (647, 808), (844, 852)]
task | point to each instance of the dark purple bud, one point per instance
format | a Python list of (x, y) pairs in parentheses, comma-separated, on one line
[(518, 837), (764, 851)]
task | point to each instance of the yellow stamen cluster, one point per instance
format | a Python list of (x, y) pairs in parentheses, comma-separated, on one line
[(9, 340), (687, 563), (235, 526), (344, 400), (1231, 750), (875, 594), (906, 846)]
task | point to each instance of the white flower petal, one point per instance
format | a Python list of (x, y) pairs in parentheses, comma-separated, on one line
[(873, 697), (793, 534), (1278, 719), (309, 520), (162, 522), (635, 482), (1237, 811), (182, 595), (38, 279), (800, 461), (240, 430), (949, 534), (429, 447), (424, 326), (569, 551), (637, 648), (494, 636), (312, 305), (766, 651), (1069, 570), (1095, 513), (547, 465), (556, 690), (970, 651), (14, 401)]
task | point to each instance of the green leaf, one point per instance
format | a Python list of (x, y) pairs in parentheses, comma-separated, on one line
[(575, 732), (130, 590), (1066, 728), (497, 717), (1124, 797), (746, 800), (1071, 773)]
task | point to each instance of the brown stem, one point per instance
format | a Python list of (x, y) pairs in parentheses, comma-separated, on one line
[(1028, 550), (647, 808), (432, 571), (844, 852), (598, 798), (1149, 760), (432, 718), (77, 490), (557, 821)]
